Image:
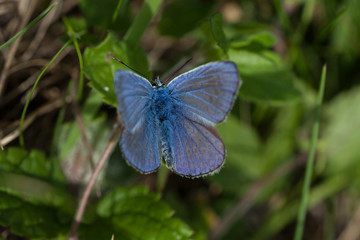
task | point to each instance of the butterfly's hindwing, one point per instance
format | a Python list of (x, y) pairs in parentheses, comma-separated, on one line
[(142, 148), (197, 149)]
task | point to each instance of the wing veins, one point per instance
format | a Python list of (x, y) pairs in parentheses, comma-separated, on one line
[(207, 93), (206, 102), (204, 136), (198, 89)]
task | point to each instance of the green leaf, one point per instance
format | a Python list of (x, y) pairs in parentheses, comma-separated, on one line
[(33, 221), (181, 16), (100, 68), (16, 155), (218, 32), (8, 201), (141, 22), (35, 164), (23, 187), (341, 135), (138, 214), (262, 39), (30, 205), (273, 87), (254, 61), (265, 79), (70, 145)]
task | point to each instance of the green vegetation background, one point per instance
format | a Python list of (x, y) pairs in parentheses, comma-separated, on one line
[(279, 48)]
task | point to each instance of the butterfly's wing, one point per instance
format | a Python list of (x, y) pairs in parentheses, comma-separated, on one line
[(197, 149), (132, 93), (142, 147), (206, 93), (139, 142)]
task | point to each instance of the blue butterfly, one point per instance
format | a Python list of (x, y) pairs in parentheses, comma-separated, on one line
[(176, 120)]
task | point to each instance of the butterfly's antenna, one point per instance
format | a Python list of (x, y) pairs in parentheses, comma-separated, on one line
[(129, 67), (174, 73)]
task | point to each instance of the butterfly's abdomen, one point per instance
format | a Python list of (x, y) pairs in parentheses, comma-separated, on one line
[(164, 111)]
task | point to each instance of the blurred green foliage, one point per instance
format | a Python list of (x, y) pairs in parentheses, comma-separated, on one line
[(279, 48)]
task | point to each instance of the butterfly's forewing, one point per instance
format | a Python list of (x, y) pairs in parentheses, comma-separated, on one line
[(133, 93), (198, 149), (206, 93), (139, 142)]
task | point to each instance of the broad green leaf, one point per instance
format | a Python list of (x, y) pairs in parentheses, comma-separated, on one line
[(38, 173), (100, 68), (243, 155), (265, 79), (30, 204), (181, 16), (137, 214), (273, 87), (250, 62), (261, 39), (218, 32), (22, 186), (70, 145), (8, 201), (35, 164), (341, 134), (34, 221), (16, 155)]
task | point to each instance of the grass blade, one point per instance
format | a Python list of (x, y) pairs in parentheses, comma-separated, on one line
[(310, 162), (116, 13), (21, 137), (142, 21), (32, 23), (78, 52)]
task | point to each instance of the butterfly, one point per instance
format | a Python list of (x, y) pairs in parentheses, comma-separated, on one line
[(176, 120)]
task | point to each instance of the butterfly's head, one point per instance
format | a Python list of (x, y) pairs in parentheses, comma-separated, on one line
[(158, 83)]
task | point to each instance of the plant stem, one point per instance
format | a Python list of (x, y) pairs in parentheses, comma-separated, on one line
[(84, 199), (21, 139), (310, 162)]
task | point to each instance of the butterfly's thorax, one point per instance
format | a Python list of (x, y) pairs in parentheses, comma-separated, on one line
[(164, 110)]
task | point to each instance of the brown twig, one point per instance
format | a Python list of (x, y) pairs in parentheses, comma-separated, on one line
[(42, 30), (98, 168), (31, 118), (14, 46), (80, 122), (249, 198)]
